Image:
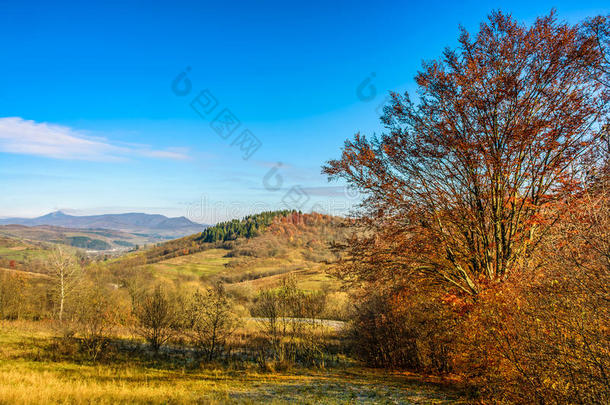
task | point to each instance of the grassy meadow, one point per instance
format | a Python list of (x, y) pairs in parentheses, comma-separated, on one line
[(33, 369)]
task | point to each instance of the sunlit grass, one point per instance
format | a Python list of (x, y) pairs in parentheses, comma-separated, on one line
[(255, 273), (206, 264), (21, 253), (76, 383), (27, 378)]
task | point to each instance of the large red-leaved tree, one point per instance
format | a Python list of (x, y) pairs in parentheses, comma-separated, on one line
[(468, 176)]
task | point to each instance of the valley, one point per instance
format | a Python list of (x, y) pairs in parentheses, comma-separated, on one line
[(99, 234)]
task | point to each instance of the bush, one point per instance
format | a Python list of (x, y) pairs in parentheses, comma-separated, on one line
[(543, 336), (156, 318), (403, 330), (95, 317), (545, 343), (210, 320)]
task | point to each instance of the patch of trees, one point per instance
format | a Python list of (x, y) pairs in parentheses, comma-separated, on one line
[(123, 243), (222, 234), (247, 227), (90, 314), (85, 242)]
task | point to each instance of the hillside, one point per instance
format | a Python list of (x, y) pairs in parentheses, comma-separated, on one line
[(284, 243), (18, 254)]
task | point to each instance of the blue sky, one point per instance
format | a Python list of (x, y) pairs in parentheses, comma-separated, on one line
[(89, 122)]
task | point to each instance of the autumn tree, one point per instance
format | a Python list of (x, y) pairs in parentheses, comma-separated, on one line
[(156, 317), (543, 337), (598, 30), (211, 320), (467, 178), (98, 310), (96, 315), (12, 288)]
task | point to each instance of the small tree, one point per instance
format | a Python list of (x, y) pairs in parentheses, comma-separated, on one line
[(268, 308), (11, 292), (95, 316), (156, 318), (66, 272), (211, 320)]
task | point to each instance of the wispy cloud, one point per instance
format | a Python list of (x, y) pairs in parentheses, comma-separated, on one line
[(26, 137)]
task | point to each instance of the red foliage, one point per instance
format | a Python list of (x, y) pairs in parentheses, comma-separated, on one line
[(464, 185)]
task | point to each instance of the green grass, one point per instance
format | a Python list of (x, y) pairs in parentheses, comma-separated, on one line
[(247, 272), (203, 264), (21, 254)]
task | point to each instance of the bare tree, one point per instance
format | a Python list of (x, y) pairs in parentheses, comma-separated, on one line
[(212, 320), (156, 318), (289, 318), (268, 308), (66, 272)]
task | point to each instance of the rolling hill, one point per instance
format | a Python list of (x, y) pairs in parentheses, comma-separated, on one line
[(285, 243), (247, 255)]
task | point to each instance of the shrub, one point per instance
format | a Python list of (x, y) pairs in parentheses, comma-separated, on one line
[(95, 317), (541, 341), (211, 320), (156, 318), (403, 330)]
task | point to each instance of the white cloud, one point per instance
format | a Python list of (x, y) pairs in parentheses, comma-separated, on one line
[(60, 142)]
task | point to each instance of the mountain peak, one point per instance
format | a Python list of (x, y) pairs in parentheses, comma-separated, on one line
[(56, 214)]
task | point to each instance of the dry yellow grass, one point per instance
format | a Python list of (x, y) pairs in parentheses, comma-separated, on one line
[(26, 380)]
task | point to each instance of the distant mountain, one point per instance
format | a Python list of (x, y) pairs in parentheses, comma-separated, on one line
[(132, 223)]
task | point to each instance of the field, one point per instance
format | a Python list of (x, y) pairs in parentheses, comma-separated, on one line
[(24, 365), (34, 354), (21, 252), (202, 265), (250, 272)]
